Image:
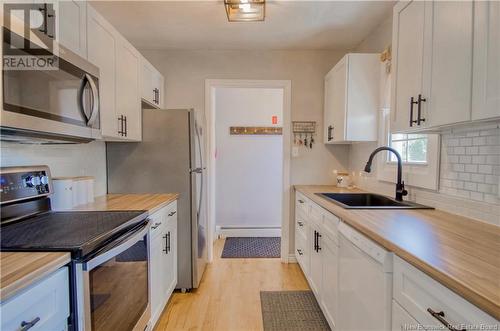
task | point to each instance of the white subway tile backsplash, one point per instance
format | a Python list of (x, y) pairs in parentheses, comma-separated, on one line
[(470, 163)]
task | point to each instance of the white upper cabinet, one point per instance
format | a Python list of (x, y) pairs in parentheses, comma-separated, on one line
[(445, 59), (407, 64), (101, 52), (73, 26), (152, 84), (351, 99), (119, 79), (128, 91), (486, 67)]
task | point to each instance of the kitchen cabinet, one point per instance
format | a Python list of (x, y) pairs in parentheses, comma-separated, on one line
[(401, 320), (152, 84), (445, 58), (72, 26), (352, 99), (119, 82), (127, 90), (163, 252), (430, 303), (486, 64), (317, 253), (44, 305)]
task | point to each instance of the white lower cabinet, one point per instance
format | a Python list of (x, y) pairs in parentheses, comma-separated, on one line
[(432, 304), (316, 243), (44, 305), (163, 257), (401, 320)]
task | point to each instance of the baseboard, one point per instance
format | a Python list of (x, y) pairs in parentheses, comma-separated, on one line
[(292, 258), (248, 232)]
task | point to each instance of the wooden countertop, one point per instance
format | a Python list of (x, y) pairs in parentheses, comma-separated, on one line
[(20, 269), (149, 202), (461, 253)]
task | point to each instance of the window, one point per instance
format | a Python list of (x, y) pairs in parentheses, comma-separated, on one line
[(411, 147)]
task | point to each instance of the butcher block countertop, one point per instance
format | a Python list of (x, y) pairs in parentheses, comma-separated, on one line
[(19, 270), (149, 202), (461, 253)]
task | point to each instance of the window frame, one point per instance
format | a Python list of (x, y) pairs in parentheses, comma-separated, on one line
[(412, 163)]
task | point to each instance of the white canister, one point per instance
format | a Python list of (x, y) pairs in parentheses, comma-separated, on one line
[(343, 179)]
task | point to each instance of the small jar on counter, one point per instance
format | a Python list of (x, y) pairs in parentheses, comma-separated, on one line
[(343, 179)]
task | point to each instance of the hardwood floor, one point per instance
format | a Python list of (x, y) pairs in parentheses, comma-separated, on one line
[(228, 297)]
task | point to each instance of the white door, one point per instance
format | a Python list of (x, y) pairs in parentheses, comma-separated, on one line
[(73, 26), (101, 49), (338, 100), (128, 99), (486, 82), (448, 62), (408, 48)]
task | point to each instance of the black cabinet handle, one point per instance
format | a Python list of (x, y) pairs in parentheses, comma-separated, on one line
[(300, 223), (440, 317), (120, 125), (300, 252), (412, 102), (172, 213), (166, 243), (126, 128), (318, 248), (315, 240), (301, 201), (28, 325), (419, 109), (330, 129)]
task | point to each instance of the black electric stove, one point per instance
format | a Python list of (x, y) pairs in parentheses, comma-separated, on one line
[(79, 232)]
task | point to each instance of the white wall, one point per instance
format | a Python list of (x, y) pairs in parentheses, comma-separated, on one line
[(465, 188), (248, 183), (63, 160)]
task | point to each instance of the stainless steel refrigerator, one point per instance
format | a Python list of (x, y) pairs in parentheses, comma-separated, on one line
[(169, 159)]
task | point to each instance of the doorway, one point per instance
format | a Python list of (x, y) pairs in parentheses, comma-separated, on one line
[(249, 185)]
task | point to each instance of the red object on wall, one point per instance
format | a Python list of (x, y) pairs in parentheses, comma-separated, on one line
[(275, 119)]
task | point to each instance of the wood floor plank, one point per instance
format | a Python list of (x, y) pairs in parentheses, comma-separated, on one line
[(229, 294)]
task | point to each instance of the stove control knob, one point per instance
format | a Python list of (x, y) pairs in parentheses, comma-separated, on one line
[(44, 180), (32, 181)]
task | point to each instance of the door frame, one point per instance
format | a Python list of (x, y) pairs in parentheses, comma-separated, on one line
[(286, 85)]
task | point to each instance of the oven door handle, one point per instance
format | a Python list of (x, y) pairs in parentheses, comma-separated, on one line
[(117, 246)]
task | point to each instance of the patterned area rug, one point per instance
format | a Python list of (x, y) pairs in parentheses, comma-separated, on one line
[(291, 311), (252, 247)]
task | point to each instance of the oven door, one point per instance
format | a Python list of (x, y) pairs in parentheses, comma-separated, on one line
[(113, 286), (60, 101)]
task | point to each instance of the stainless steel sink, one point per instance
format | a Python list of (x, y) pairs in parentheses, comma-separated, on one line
[(369, 201)]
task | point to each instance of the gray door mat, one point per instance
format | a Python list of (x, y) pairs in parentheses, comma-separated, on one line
[(252, 247), (291, 311)]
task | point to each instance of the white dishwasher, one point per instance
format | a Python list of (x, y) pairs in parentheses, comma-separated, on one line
[(365, 283)]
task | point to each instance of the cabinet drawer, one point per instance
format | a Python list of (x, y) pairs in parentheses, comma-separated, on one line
[(418, 293), (172, 213), (160, 218), (302, 252), (301, 203), (47, 301)]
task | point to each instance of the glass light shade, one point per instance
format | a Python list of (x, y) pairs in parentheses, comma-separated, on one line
[(245, 10)]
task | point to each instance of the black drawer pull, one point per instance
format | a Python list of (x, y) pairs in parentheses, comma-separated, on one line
[(155, 226), (28, 325), (412, 102), (300, 223), (419, 109), (301, 201), (300, 252), (440, 317), (172, 213), (318, 247)]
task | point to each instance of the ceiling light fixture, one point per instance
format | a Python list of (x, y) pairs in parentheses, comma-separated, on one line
[(245, 10)]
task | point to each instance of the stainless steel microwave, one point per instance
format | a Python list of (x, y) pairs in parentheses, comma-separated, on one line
[(57, 104)]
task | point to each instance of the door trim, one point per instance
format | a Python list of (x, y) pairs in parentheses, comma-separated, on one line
[(286, 85)]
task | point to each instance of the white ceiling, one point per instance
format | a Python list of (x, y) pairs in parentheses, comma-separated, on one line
[(331, 25)]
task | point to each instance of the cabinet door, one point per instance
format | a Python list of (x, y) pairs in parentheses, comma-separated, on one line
[(156, 276), (316, 267), (147, 81), (101, 48), (158, 83), (171, 260), (448, 62), (328, 110), (408, 49), (486, 80), (128, 99), (401, 320), (338, 96), (329, 289), (73, 26)]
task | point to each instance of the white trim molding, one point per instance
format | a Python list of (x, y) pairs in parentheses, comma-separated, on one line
[(286, 85), (224, 232)]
